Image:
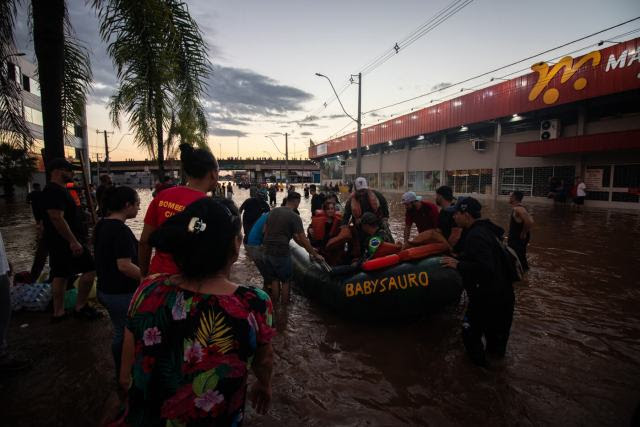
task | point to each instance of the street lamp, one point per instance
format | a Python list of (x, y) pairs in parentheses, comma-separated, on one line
[(358, 120)]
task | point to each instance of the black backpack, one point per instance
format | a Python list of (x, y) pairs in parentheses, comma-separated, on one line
[(513, 268)]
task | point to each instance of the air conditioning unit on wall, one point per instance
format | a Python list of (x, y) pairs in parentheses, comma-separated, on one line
[(479, 144), (549, 129)]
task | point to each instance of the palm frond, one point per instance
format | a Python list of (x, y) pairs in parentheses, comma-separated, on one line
[(14, 130), (77, 78)]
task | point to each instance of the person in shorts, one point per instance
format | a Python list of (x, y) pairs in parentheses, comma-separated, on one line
[(283, 224), (66, 237)]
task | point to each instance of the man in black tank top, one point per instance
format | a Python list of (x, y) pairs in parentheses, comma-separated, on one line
[(520, 224)]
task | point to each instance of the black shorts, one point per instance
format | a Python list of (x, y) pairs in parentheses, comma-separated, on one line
[(579, 200), (63, 264)]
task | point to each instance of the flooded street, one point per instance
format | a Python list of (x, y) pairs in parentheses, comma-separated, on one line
[(573, 357)]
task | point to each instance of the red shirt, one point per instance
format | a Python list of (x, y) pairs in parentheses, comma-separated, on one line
[(425, 218), (166, 204)]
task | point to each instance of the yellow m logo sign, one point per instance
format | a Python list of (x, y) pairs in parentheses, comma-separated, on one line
[(569, 67)]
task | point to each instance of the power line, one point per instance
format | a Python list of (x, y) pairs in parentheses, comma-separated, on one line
[(453, 8), (502, 67), (433, 22), (619, 36), (452, 95)]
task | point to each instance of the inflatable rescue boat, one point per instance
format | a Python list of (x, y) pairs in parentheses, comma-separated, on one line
[(404, 285)]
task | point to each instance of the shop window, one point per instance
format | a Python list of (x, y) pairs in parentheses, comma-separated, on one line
[(468, 181), (393, 181), (423, 180), (626, 176), (541, 177)]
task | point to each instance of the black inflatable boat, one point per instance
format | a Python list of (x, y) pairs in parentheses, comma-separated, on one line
[(406, 290)]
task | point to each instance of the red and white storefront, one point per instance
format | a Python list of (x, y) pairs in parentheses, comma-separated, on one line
[(490, 142)]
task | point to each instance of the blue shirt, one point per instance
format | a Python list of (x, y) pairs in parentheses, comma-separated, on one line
[(256, 234)]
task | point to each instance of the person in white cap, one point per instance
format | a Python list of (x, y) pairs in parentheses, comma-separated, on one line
[(364, 200), (419, 212)]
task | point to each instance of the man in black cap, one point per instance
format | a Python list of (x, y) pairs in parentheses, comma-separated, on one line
[(485, 276), (65, 236)]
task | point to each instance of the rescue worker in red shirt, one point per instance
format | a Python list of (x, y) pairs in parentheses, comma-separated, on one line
[(201, 169), (419, 212)]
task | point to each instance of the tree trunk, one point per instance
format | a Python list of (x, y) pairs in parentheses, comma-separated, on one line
[(48, 41), (159, 137)]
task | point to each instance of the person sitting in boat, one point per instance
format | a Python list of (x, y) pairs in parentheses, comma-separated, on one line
[(365, 200), (325, 226), (333, 197), (374, 235)]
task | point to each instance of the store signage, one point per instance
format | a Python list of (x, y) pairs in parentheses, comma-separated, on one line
[(321, 149), (593, 178), (569, 67)]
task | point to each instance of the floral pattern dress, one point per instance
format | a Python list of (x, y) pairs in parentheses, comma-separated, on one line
[(193, 353)]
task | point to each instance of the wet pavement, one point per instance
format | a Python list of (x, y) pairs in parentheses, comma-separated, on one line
[(573, 357)]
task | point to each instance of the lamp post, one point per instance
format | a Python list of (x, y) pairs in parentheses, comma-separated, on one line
[(358, 120)]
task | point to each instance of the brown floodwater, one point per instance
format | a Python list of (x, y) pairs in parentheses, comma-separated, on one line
[(573, 357)]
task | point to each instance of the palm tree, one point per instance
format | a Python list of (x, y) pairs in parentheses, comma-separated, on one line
[(161, 61), (64, 74)]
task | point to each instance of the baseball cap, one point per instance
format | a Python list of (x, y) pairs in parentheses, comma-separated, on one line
[(361, 183), (470, 205), (369, 218), (445, 191), (62, 163), (410, 197)]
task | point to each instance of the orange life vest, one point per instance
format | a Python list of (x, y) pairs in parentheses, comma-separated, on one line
[(356, 208), (319, 221), (74, 194), (423, 251)]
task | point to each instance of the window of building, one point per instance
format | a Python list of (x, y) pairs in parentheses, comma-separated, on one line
[(34, 86), (13, 72), (534, 181), (372, 179), (393, 181), (467, 181), (25, 83), (423, 180), (32, 115)]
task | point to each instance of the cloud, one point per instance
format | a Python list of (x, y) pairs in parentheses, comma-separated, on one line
[(308, 124), (306, 133), (234, 96), (227, 132), (242, 91), (440, 86)]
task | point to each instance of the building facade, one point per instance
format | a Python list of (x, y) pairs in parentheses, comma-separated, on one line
[(24, 73), (577, 117)]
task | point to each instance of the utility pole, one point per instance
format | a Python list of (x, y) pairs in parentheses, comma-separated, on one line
[(98, 165), (106, 149), (359, 136), (286, 155)]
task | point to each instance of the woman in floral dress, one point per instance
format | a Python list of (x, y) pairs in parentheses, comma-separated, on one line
[(192, 338)]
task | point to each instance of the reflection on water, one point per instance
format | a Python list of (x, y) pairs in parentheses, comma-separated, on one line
[(573, 357)]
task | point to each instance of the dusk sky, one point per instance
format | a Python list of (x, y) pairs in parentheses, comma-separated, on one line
[(265, 54)]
